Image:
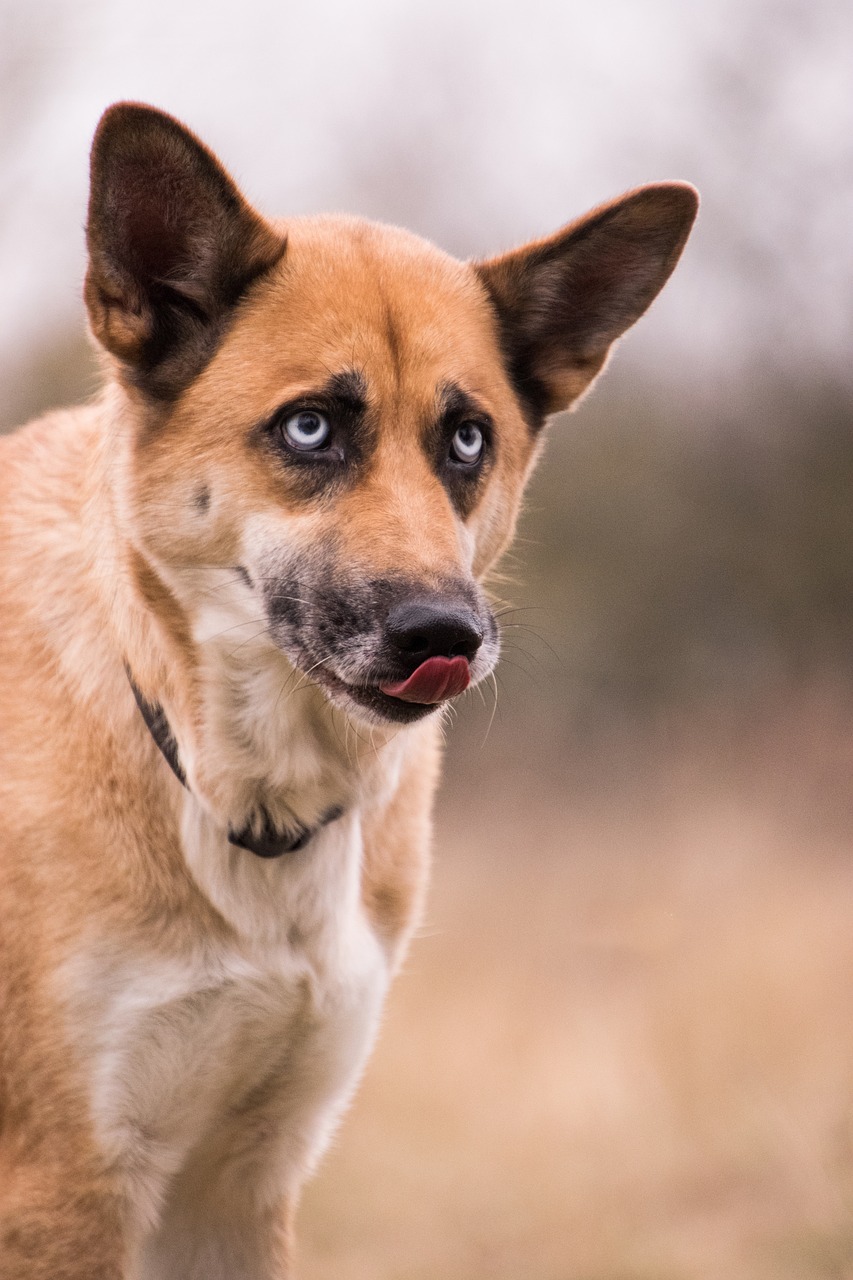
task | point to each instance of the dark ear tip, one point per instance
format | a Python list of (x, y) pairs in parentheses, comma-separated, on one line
[(678, 199), (126, 120), (123, 115)]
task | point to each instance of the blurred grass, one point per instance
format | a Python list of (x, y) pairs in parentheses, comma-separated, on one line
[(623, 1047)]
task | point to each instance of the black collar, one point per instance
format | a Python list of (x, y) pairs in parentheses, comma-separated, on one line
[(270, 843)]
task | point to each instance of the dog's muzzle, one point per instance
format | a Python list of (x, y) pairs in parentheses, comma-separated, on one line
[(394, 647)]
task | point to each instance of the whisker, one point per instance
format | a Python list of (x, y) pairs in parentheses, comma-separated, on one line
[(305, 674), (526, 608), (248, 640), (350, 727), (494, 681), (524, 626), (250, 622)]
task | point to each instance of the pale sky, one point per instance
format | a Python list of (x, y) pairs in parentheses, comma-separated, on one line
[(477, 124)]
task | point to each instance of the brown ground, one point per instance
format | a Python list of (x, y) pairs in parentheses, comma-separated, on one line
[(623, 1047)]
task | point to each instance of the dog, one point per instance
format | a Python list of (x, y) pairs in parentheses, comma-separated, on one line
[(237, 590)]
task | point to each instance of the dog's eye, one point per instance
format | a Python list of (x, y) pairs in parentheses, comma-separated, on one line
[(307, 430), (467, 444)]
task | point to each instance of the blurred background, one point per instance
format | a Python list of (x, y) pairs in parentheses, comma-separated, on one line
[(622, 1048)]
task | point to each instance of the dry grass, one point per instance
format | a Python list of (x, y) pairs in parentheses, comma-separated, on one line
[(623, 1048)]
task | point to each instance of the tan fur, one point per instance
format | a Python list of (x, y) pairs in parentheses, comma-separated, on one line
[(183, 1022)]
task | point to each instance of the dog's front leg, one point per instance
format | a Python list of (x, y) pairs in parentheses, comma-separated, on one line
[(208, 1239)]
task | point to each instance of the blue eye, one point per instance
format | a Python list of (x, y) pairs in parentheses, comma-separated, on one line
[(307, 430), (467, 444)]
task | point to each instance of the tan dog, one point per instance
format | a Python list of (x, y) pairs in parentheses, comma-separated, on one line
[(235, 591)]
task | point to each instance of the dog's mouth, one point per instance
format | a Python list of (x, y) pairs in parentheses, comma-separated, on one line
[(387, 650), (434, 682)]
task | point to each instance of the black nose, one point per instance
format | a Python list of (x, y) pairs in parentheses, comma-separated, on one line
[(425, 628)]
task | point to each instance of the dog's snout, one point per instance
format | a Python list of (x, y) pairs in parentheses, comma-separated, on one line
[(424, 628)]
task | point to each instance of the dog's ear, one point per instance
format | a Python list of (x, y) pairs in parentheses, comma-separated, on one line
[(172, 247), (563, 301)]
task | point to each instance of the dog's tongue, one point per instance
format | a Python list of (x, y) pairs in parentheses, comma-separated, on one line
[(433, 681)]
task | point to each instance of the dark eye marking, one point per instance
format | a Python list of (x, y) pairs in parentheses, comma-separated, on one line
[(461, 442), (322, 429), (350, 386)]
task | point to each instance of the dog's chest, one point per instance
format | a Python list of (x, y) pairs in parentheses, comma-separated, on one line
[(244, 1049)]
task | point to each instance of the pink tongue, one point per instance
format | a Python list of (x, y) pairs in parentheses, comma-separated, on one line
[(433, 681)]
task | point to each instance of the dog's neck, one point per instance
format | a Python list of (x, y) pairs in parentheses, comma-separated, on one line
[(265, 841), (259, 743), (257, 740)]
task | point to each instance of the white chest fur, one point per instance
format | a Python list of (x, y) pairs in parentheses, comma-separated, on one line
[(217, 1062), (219, 1070)]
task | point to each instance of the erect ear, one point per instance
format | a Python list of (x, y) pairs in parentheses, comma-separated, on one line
[(562, 302), (172, 246)]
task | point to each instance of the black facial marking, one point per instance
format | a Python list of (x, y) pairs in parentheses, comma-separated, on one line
[(284, 601), (463, 481), (348, 387), (202, 499), (456, 403), (244, 575), (532, 392), (323, 472), (533, 395)]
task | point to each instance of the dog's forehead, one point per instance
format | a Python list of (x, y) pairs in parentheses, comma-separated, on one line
[(368, 265), (355, 294)]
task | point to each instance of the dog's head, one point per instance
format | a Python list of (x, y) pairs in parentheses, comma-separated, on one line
[(338, 414)]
